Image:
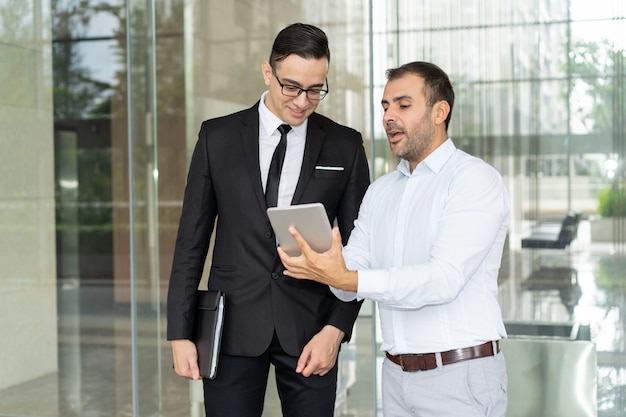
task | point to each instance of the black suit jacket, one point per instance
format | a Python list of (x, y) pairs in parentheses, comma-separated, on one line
[(224, 188)]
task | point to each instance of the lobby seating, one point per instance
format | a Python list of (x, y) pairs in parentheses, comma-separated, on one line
[(554, 235)]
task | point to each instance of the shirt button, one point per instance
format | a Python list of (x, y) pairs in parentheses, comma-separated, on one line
[(268, 235), (275, 275)]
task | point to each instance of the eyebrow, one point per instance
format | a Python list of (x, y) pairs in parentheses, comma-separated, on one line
[(297, 84), (396, 99)]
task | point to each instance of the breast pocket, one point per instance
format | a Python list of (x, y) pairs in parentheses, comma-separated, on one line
[(329, 172)]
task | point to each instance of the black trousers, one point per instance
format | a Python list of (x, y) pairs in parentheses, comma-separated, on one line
[(239, 387)]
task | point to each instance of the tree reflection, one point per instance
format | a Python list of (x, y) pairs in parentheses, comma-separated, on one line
[(77, 94)]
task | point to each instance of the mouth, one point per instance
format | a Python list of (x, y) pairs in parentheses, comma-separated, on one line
[(298, 113), (394, 135)]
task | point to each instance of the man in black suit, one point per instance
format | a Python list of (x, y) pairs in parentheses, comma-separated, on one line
[(297, 326)]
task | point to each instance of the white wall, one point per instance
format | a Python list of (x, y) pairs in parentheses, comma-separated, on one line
[(28, 312)]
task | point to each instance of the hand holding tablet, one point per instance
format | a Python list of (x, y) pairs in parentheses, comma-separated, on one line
[(310, 220)]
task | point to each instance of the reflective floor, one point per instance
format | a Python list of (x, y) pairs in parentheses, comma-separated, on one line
[(577, 295), (584, 285)]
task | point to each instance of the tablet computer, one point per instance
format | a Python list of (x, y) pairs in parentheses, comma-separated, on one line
[(309, 219)]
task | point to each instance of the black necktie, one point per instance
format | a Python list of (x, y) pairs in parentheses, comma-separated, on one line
[(273, 176)]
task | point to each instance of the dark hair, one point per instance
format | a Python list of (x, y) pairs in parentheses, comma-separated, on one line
[(304, 40), (437, 85)]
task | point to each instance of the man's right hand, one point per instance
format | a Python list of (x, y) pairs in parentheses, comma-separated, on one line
[(185, 357)]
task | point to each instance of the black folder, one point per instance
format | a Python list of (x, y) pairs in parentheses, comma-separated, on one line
[(207, 330)]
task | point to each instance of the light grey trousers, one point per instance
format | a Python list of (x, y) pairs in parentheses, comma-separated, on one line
[(473, 388)]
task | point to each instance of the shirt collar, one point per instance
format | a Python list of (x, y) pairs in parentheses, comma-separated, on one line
[(269, 122), (435, 161)]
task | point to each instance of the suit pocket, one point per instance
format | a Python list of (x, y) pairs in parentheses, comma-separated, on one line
[(330, 174)]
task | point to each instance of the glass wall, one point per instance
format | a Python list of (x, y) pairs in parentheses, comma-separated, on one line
[(100, 105), (79, 276)]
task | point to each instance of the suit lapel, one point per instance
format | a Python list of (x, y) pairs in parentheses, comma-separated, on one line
[(312, 147), (249, 135)]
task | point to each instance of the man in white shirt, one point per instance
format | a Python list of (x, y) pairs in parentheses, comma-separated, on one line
[(426, 247)]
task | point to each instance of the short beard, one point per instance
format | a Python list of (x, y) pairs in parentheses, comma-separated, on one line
[(419, 142)]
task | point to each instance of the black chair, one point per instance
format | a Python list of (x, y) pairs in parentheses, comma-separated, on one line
[(554, 235)]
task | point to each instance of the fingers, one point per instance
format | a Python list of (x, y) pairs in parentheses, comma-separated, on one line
[(307, 251), (320, 354), (303, 361), (296, 265), (308, 365), (185, 357), (337, 238), (302, 244), (287, 260), (194, 370), (326, 268)]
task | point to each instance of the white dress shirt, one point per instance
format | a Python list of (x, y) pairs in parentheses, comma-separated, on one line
[(269, 136), (427, 246)]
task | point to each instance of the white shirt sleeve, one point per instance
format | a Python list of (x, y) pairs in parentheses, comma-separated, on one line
[(467, 226)]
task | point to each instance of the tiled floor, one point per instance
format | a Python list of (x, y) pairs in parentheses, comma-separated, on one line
[(95, 367)]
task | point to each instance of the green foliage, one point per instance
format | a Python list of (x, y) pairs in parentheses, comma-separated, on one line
[(612, 202), (610, 273), (595, 68)]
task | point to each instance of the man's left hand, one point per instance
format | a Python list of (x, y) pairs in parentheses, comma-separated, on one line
[(320, 354)]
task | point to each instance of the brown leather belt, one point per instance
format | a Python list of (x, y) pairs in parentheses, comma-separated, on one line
[(426, 361)]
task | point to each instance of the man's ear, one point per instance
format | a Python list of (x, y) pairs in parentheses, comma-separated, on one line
[(441, 110), (266, 71)]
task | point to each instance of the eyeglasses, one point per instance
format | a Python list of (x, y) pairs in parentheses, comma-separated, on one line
[(313, 94)]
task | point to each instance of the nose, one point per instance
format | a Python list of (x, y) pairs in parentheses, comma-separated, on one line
[(388, 116), (302, 100)]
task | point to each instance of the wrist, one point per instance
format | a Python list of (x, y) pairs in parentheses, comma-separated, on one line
[(350, 282), (338, 333)]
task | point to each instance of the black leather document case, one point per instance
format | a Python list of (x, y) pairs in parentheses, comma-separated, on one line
[(207, 330)]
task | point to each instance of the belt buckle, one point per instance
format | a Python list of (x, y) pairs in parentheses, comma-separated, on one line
[(401, 357)]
